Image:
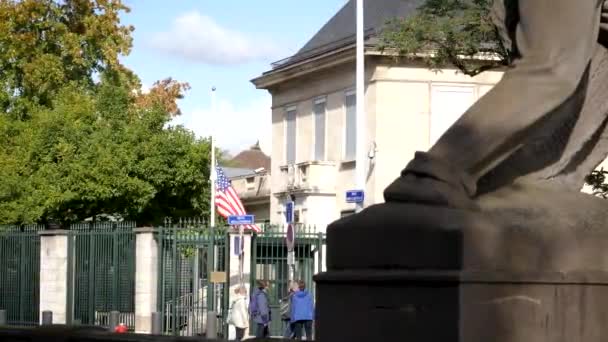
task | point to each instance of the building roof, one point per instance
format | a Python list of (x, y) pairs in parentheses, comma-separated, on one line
[(235, 172), (339, 31), (252, 159)]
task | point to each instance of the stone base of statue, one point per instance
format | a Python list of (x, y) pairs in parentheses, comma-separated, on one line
[(531, 265)]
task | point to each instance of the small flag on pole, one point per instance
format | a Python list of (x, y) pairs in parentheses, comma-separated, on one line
[(227, 201)]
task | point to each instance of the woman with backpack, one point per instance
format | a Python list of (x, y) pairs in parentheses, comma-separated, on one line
[(286, 313), (238, 313)]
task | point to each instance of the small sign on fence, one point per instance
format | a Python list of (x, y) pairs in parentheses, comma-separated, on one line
[(218, 277)]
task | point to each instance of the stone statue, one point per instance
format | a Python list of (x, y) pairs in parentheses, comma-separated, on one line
[(532, 124), (487, 237)]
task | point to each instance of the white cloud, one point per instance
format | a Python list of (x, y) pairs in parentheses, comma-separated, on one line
[(199, 38), (235, 128)]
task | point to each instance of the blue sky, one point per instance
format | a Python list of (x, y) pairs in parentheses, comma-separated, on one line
[(221, 43)]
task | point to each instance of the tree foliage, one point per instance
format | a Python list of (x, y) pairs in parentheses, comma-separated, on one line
[(78, 138), (449, 32)]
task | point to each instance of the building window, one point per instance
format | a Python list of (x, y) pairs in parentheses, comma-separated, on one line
[(250, 182), (350, 141), (319, 113), (448, 103), (290, 136), (303, 173)]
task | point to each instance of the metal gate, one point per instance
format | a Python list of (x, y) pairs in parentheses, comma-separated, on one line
[(20, 274), (270, 262), (102, 272), (190, 255)]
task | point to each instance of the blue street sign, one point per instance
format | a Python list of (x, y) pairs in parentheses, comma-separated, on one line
[(289, 212), (236, 220), (355, 196)]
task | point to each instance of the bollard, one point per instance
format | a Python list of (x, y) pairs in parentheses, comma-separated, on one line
[(211, 325), (47, 317), (2, 317), (157, 323), (114, 318)]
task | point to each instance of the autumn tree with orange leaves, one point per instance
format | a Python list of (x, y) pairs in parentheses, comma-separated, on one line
[(78, 137)]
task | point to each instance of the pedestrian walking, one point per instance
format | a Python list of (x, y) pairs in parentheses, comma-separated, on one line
[(260, 309), (286, 312), (238, 315), (302, 312)]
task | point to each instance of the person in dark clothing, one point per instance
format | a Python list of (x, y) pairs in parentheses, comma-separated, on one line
[(260, 309), (302, 312), (286, 312)]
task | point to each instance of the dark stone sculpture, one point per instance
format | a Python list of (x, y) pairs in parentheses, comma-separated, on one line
[(486, 237)]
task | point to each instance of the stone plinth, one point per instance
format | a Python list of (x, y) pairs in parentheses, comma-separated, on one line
[(146, 279), (530, 266), (54, 274)]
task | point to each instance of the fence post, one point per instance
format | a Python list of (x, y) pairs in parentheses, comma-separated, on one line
[(233, 270), (47, 317), (2, 317), (54, 263), (211, 325), (321, 256), (146, 279), (114, 319), (210, 285), (157, 323)]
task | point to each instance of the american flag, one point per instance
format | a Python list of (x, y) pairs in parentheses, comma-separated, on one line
[(227, 201)]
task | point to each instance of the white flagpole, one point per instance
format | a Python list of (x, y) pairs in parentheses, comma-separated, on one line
[(211, 333), (213, 170), (360, 103)]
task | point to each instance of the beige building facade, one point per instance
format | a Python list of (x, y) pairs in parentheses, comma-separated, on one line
[(407, 108)]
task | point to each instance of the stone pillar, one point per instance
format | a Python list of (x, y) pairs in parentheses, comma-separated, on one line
[(146, 279), (54, 274), (234, 270)]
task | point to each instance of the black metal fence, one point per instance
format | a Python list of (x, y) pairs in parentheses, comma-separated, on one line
[(103, 272), (20, 273)]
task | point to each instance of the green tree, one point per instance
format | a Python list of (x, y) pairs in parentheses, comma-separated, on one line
[(460, 33), (46, 44), (78, 139), (449, 32)]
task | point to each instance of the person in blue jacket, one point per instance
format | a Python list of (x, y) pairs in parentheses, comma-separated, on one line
[(302, 312), (260, 309)]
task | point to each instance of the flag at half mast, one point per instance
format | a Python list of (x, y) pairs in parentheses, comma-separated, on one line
[(227, 200)]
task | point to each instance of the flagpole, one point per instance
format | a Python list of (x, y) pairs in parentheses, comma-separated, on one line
[(213, 171), (360, 104), (211, 332)]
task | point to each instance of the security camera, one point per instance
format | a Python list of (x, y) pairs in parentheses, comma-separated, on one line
[(259, 170), (372, 151)]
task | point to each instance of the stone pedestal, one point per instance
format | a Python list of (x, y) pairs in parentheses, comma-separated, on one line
[(146, 279), (54, 274), (458, 306), (536, 271)]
